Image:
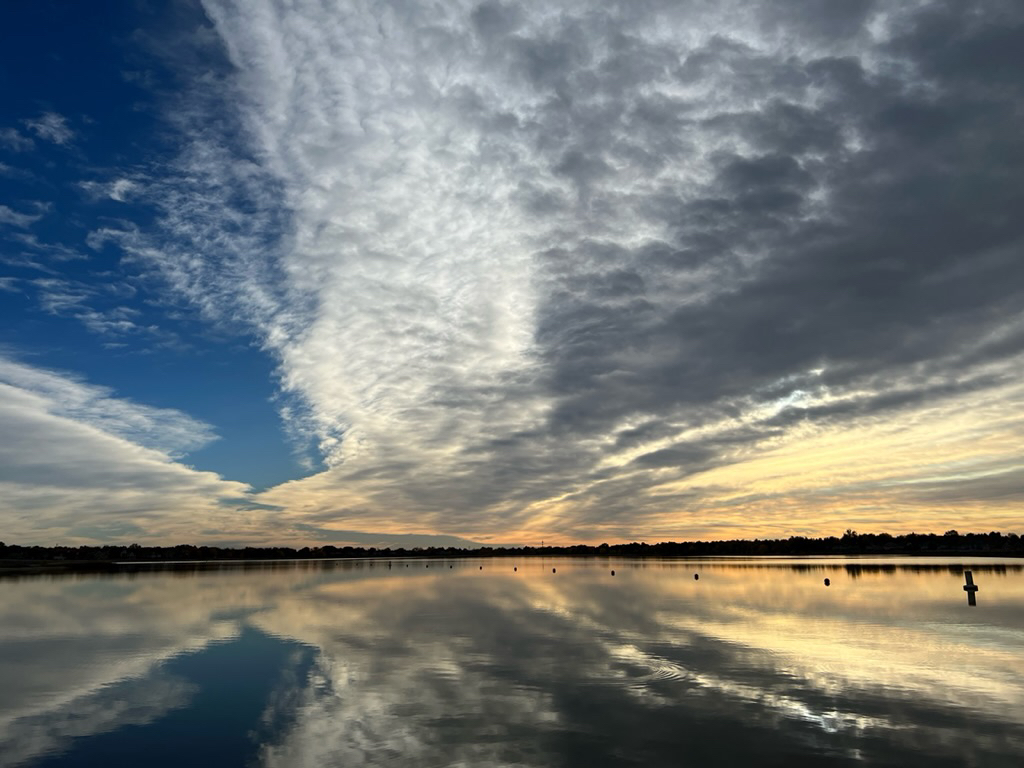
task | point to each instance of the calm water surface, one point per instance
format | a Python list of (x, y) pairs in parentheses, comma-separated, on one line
[(440, 663)]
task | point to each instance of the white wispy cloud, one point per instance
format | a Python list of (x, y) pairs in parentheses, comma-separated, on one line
[(53, 252), (52, 127), (119, 189), (12, 218), (12, 139), (101, 306)]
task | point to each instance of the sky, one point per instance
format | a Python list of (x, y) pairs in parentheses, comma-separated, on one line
[(404, 273)]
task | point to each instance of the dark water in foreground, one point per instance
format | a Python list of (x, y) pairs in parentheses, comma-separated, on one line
[(757, 663)]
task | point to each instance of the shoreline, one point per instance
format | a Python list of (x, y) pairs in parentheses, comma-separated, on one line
[(42, 567)]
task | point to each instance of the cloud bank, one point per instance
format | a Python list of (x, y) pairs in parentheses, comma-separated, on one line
[(619, 269)]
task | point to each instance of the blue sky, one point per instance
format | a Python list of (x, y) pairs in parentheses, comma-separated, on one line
[(80, 306), (492, 272)]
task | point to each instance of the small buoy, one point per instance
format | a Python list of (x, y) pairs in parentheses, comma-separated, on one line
[(515, 568), (428, 565), (553, 570), (696, 576), (970, 588), (827, 582), (481, 567), (613, 573), (450, 566)]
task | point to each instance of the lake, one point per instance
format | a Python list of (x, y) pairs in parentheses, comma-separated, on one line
[(503, 662)]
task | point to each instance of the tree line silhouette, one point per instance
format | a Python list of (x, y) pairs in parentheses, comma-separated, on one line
[(850, 543)]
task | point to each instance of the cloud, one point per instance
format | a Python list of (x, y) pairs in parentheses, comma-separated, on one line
[(12, 218), (119, 190), (12, 139), (103, 307), (52, 127), (52, 252), (161, 429), (14, 172), (565, 269), (84, 459)]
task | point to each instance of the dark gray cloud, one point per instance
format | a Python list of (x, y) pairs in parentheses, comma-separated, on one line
[(878, 195)]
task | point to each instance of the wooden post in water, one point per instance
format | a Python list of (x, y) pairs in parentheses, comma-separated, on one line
[(970, 588)]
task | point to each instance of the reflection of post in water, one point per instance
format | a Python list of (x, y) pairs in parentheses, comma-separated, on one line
[(970, 588)]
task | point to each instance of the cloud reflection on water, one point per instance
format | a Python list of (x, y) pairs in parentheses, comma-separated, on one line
[(459, 666)]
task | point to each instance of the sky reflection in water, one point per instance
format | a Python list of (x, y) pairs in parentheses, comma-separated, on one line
[(440, 663)]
